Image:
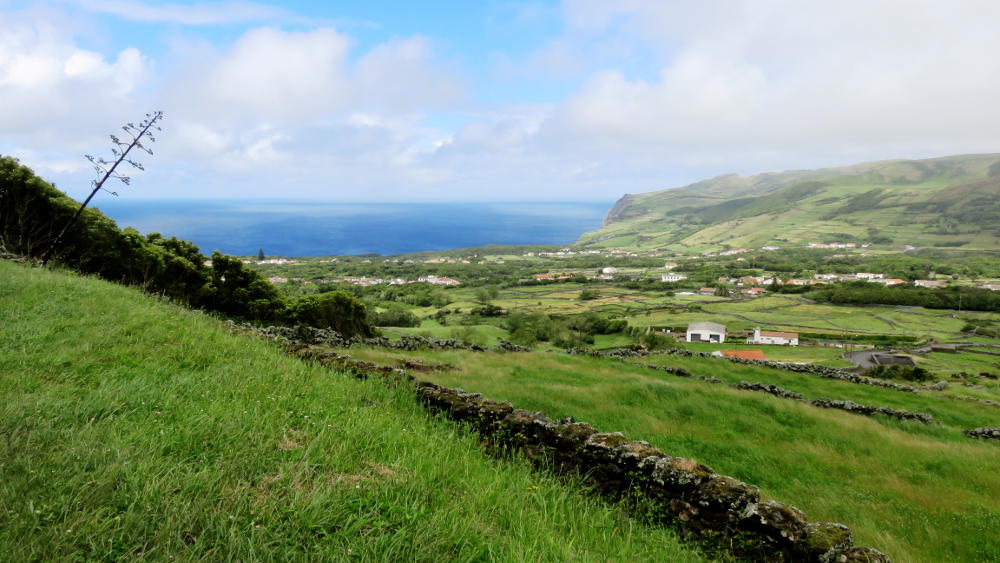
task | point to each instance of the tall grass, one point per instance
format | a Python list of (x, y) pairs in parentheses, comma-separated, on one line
[(917, 492), (136, 430)]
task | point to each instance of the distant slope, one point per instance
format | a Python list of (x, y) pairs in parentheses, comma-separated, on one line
[(948, 202), (135, 430)]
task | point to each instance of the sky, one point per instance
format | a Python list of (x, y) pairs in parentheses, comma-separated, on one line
[(494, 100)]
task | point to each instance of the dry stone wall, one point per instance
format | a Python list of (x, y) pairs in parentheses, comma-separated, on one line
[(868, 410), (984, 433), (680, 491), (672, 490), (849, 406), (978, 400)]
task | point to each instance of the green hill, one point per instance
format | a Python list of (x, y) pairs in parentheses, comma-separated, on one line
[(946, 202), (137, 430)]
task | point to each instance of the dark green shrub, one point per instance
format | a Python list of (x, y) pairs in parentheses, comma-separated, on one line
[(656, 341), (394, 315), (336, 310), (909, 373)]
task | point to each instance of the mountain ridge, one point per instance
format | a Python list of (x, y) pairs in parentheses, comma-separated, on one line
[(951, 201)]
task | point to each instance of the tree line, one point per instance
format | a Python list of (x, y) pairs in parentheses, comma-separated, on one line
[(33, 213), (866, 293)]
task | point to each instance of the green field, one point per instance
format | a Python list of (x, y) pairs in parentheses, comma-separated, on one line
[(832, 357), (135, 430), (918, 492), (772, 312)]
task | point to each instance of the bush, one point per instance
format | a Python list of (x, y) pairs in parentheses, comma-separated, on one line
[(468, 335), (336, 310), (488, 310), (238, 291), (909, 373), (656, 341), (394, 315)]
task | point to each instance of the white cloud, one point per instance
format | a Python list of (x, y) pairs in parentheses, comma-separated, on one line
[(659, 93), (55, 94), (188, 14), (796, 78), (268, 74), (302, 105)]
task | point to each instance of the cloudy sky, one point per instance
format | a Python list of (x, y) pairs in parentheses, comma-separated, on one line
[(496, 100)]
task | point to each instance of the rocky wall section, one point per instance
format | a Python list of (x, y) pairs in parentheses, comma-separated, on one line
[(671, 490), (768, 388), (984, 433), (822, 371), (849, 406), (868, 410), (978, 400)]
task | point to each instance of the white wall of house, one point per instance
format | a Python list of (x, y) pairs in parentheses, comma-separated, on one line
[(705, 336), (759, 338)]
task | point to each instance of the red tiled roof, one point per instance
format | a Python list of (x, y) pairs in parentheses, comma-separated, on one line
[(788, 335), (744, 354)]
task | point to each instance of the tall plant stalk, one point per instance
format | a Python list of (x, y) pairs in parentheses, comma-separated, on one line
[(107, 169)]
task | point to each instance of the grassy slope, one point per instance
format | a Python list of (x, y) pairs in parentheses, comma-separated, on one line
[(137, 430), (913, 196), (919, 492)]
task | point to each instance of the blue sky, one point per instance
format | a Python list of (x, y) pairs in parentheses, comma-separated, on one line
[(495, 100)]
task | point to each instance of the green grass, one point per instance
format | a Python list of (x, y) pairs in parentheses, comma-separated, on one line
[(810, 354), (918, 492), (136, 430)]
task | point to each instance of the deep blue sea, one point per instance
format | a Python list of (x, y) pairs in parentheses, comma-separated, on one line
[(318, 229)]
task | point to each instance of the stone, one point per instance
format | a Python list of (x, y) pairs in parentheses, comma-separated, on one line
[(859, 555), (779, 522), (825, 540)]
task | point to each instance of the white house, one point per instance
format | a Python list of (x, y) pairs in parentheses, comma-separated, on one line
[(672, 277), (706, 332), (609, 270), (778, 338), (930, 284)]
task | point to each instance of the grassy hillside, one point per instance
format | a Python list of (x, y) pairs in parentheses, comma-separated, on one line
[(951, 202), (137, 430), (920, 493)]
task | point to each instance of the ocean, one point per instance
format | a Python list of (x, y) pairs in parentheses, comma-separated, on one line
[(321, 228)]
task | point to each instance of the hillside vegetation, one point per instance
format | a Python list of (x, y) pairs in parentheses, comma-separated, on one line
[(33, 213), (918, 492), (137, 430), (951, 202)]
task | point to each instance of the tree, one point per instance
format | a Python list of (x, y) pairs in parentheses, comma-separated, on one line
[(241, 292), (653, 340), (260, 255), (486, 294), (107, 169), (336, 310)]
